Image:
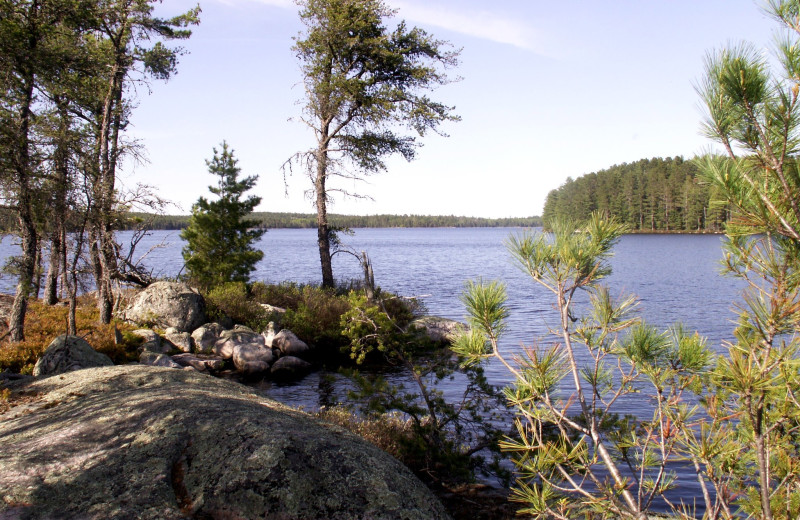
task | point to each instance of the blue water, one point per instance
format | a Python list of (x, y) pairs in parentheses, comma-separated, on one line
[(676, 278)]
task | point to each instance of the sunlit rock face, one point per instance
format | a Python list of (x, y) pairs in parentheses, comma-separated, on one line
[(156, 443)]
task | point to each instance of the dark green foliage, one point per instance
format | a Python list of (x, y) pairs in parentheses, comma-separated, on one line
[(313, 313), (366, 96), (307, 220), (650, 195), (219, 236), (446, 436)]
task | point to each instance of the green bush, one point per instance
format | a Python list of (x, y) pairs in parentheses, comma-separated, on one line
[(232, 300)]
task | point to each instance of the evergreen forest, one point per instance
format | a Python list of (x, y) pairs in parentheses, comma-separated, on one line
[(274, 220), (649, 195)]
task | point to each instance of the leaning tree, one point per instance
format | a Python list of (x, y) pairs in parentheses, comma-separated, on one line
[(366, 96)]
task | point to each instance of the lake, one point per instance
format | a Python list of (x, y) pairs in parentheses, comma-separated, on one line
[(676, 278)]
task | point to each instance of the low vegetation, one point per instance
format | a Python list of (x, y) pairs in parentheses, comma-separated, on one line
[(46, 322)]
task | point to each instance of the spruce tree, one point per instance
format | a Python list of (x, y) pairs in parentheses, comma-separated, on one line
[(219, 237)]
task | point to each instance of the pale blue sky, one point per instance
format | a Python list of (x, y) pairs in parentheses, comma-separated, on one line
[(549, 90)]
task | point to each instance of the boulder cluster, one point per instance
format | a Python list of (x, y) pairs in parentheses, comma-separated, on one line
[(189, 342)]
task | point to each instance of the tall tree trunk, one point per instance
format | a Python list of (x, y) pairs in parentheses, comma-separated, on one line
[(59, 208), (23, 173), (103, 246), (54, 269), (19, 308), (323, 229)]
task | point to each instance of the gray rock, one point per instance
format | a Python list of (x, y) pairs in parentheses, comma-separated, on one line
[(149, 443), (252, 358), (269, 334), (439, 330), (152, 341), (206, 336), (155, 359), (68, 353), (167, 304), (179, 340), (276, 314), (243, 328), (228, 339), (290, 367), (200, 362), (289, 344)]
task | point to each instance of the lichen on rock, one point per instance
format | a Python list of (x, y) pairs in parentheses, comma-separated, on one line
[(146, 443)]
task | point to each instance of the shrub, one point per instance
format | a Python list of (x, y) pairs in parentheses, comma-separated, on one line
[(233, 300), (46, 322)]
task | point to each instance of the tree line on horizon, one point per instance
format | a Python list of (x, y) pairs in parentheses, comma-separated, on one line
[(649, 195), (288, 220)]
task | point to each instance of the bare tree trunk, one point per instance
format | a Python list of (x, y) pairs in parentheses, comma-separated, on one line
[(36, 284), (19, 308), (59, 209), (21, 158), (103, 247), (323, 229), (53, 270)]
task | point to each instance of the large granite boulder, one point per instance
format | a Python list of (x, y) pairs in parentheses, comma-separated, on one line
[(229, 339), (439, 330), (167, 304), (290, 345), (252, 358), (153, 443), (205, 337), (179, 340), (68, 353), (290, 367)]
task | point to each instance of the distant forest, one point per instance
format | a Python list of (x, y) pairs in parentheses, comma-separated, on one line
[(650, 195), (308, 220)]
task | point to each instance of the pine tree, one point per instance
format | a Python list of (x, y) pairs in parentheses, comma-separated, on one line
[(219, 237)]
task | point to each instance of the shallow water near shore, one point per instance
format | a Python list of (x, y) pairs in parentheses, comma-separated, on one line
[(676, 278)]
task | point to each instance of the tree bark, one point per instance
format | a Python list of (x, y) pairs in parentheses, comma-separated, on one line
[(59, 209), (323, 229), (103, 246), (22, 166)]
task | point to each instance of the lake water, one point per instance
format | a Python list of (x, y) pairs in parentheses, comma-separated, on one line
[(676, 278)]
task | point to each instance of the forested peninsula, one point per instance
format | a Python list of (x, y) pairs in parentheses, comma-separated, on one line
[(649, 195), (271, 220)]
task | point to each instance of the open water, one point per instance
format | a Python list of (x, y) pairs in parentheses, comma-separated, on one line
[(676, 278)]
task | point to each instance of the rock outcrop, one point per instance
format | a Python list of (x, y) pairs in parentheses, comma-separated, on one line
[(290, 345), (152, 443), (168, 304), (439, 330), (68, 353)]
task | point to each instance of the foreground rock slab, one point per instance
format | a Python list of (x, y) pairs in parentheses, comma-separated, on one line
[(155, 443)]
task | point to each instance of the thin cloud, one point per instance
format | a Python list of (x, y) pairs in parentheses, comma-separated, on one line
[(478, 24)]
